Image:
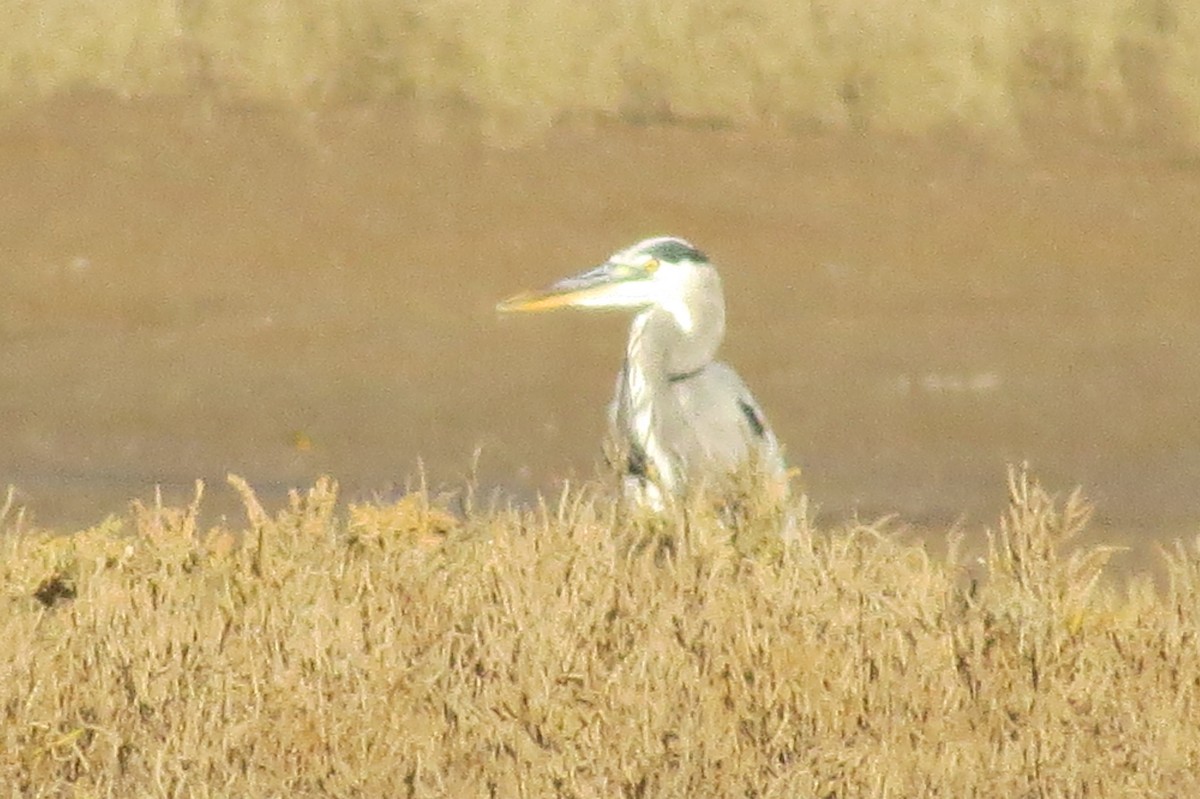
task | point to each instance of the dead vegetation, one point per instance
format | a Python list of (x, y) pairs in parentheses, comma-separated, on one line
[(908, 66), (406, 650)]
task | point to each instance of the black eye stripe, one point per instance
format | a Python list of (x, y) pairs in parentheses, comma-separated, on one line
[(674, 250)]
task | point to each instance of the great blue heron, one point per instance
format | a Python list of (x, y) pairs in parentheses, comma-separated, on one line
[(679, 418)]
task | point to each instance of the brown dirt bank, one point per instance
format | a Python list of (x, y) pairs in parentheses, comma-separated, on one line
[(189, 292)]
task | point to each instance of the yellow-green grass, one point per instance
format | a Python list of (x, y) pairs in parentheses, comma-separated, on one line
[(904, 65), (407, 650)]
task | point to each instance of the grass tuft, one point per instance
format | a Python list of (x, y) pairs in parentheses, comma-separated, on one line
[(570, 650)]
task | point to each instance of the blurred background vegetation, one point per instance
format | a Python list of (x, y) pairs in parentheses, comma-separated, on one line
[(910, 65)]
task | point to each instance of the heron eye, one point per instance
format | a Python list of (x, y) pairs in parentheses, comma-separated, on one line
[(651, 266)]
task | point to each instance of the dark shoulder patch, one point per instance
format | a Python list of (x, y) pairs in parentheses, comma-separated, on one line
[(675, 250), (752, 416)]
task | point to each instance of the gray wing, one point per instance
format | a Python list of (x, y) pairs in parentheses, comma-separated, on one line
[(714, 423), (707, 424)]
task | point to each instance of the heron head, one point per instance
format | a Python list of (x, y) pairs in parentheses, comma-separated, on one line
[(666, 272)]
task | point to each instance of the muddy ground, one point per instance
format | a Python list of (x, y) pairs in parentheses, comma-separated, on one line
[(190, 291)]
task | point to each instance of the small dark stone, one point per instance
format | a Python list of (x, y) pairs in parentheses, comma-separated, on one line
[(54, 589)]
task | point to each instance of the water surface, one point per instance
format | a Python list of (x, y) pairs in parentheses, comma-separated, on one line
[(188, 294)]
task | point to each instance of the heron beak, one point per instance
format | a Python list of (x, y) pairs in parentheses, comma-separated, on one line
[(606, 286)]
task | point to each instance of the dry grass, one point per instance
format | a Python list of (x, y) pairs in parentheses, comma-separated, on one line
[(896, 65), (409, 651)]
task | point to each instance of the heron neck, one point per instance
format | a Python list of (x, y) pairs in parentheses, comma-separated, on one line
[(659, 348)]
